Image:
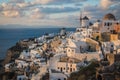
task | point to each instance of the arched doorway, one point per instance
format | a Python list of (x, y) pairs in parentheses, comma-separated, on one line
[(61, 69)]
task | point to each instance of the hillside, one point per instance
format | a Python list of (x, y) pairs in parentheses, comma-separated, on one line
[(85, 73)]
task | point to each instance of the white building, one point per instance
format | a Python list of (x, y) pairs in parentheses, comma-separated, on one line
[(21, 77), (56, 75), (113, 46), (78, 50), (107, 23), (81, 34), (25, 54), (75, 47), (96, 26), (64, 67)]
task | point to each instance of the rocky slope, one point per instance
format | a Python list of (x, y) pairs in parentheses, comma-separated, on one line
[(14, 52), (85, 73)]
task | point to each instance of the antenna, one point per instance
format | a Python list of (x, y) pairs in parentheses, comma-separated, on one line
[(81, 15), (80, 18)]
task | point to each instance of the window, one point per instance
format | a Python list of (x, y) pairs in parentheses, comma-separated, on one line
[(61, 69), (117, 23), (111, 45), (68, 68), (105, 24), (64, 78), (68, 50), (20, 79), (64, 68), (58, 67), (71, 65), (73, 50), (78, 30), (108, 24), (73, 69)]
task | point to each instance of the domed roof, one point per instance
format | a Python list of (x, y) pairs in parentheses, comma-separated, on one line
[(85, 18), (109, 16)]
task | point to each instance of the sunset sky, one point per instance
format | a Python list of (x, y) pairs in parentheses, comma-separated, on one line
[(53, 13)]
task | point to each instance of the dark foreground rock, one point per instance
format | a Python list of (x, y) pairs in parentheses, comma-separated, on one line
[(12, 54), (85, 73)]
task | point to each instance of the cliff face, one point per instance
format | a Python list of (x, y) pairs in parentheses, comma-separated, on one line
[(8, 57), (13, 53)]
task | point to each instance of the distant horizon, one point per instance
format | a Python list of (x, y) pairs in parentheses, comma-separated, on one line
[(31, 27)]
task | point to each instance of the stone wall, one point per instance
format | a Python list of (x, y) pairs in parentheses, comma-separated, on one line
[(113, 37), (89, 56), (105, 36)]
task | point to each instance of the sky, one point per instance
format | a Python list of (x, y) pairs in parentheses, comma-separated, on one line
[(53, 13)]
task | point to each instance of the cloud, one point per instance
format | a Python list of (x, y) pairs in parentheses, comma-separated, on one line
[(94, 12), (10, 10), (66, 1), (57, 2), (22, 5), (6, 6), (13, 13), (1, 8), (98, 11), (49, 10), (116, 10), (78, 4), (111, 6), (36, 14), (40, 2), (106, 3), (16, 1), (19, 8), (54, 12)]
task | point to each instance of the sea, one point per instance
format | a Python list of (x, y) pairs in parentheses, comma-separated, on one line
[(9, 37)]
